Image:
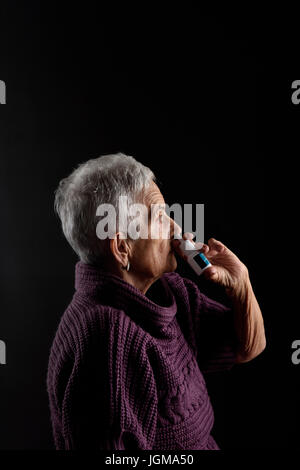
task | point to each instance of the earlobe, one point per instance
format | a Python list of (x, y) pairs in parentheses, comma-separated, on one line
[(120, 249), (114, 248), (127, 267)]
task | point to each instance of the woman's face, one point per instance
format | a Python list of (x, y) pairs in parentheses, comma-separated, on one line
[(151, 257)]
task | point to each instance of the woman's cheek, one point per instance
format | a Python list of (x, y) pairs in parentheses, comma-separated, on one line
[(163, 247)]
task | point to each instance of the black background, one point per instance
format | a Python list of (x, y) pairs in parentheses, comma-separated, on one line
[(193, 97)]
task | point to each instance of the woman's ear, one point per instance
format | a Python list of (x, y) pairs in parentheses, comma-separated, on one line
[(120, 248)]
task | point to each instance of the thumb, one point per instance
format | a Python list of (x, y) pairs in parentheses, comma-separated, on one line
[(211, 274)]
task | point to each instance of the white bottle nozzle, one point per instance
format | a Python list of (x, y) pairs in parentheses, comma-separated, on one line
[(187, 246)]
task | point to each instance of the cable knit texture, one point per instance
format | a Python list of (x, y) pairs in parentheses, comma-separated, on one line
[(126, 369)]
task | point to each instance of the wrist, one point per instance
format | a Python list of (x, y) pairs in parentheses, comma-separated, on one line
[(241, 288)]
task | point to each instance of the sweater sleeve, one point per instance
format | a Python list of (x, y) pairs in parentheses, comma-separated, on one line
[(106, 398), (214, 330)]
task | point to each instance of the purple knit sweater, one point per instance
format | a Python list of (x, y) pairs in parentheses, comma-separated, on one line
[(125, 369)]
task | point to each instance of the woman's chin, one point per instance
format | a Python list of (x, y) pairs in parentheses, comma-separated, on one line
[(171, 262)]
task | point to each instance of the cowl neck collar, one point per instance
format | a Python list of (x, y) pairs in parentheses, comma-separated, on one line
[(157, 308)]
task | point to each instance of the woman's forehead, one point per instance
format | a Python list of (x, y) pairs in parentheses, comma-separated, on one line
[(153, 195)]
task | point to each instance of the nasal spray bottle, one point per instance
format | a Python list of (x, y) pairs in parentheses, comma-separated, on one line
[(196, 260)]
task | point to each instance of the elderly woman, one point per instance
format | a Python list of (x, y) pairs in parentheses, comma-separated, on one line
[(127, 362)]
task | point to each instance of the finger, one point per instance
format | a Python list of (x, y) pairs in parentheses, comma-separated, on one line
[(205, 249), (202, 247), (198, 245), (188, 236), (216, 245)]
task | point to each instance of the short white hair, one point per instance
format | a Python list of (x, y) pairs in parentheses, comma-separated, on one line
[(98, 181)]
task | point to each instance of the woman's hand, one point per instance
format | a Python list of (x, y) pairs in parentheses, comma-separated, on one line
[(226, 270)]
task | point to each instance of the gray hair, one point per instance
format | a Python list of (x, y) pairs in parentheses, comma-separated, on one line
[(98, 181)]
